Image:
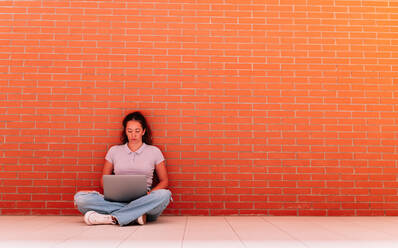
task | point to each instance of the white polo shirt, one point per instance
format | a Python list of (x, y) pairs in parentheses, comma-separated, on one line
[(140, 162)]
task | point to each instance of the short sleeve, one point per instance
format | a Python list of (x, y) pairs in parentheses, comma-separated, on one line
[(158, 155), (110, 155)]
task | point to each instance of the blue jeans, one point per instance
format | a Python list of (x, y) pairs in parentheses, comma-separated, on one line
[(152, 205)]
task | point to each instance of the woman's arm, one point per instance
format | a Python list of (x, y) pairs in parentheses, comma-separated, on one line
[(161, 171), (107, 170)]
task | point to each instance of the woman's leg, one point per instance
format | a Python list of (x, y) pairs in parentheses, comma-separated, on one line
[(94, 201), (152, 204), (156, 212)]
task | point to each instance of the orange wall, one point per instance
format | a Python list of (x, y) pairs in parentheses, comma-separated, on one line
[(277, 107)]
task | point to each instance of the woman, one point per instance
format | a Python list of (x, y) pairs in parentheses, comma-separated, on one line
[(136, 155)]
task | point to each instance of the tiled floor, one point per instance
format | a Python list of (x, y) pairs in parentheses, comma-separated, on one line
[(195, 231)]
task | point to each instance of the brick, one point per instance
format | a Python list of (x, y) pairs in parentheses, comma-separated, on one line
[(15, 211), (17, 197), (209, 205)]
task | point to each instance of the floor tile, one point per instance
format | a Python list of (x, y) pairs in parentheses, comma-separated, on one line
[(256, 232), (165, 232), (210, 232), (201, 231), (99, 236)]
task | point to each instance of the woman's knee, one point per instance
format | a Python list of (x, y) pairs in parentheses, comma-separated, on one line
[(163, 194), (82, 198), (163, 199)]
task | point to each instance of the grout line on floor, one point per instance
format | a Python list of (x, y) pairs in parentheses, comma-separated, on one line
[(236, 233), (68, 235), (127, 237), (286, 232), (71, 237), (185, 231)]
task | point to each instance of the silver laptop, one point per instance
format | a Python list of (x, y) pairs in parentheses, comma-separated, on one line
[(124, 188)]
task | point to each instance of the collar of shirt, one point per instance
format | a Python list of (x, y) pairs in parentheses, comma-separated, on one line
[(127, 149)]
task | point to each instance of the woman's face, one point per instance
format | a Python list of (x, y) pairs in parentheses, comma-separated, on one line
[(134, 131)]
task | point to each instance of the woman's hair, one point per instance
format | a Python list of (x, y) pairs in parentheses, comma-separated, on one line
[(137, 116)]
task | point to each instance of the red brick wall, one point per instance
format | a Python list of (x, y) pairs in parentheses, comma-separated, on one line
[(276, 107)]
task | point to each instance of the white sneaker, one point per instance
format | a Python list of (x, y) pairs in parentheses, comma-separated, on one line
[(142, 219), (94, 218)]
